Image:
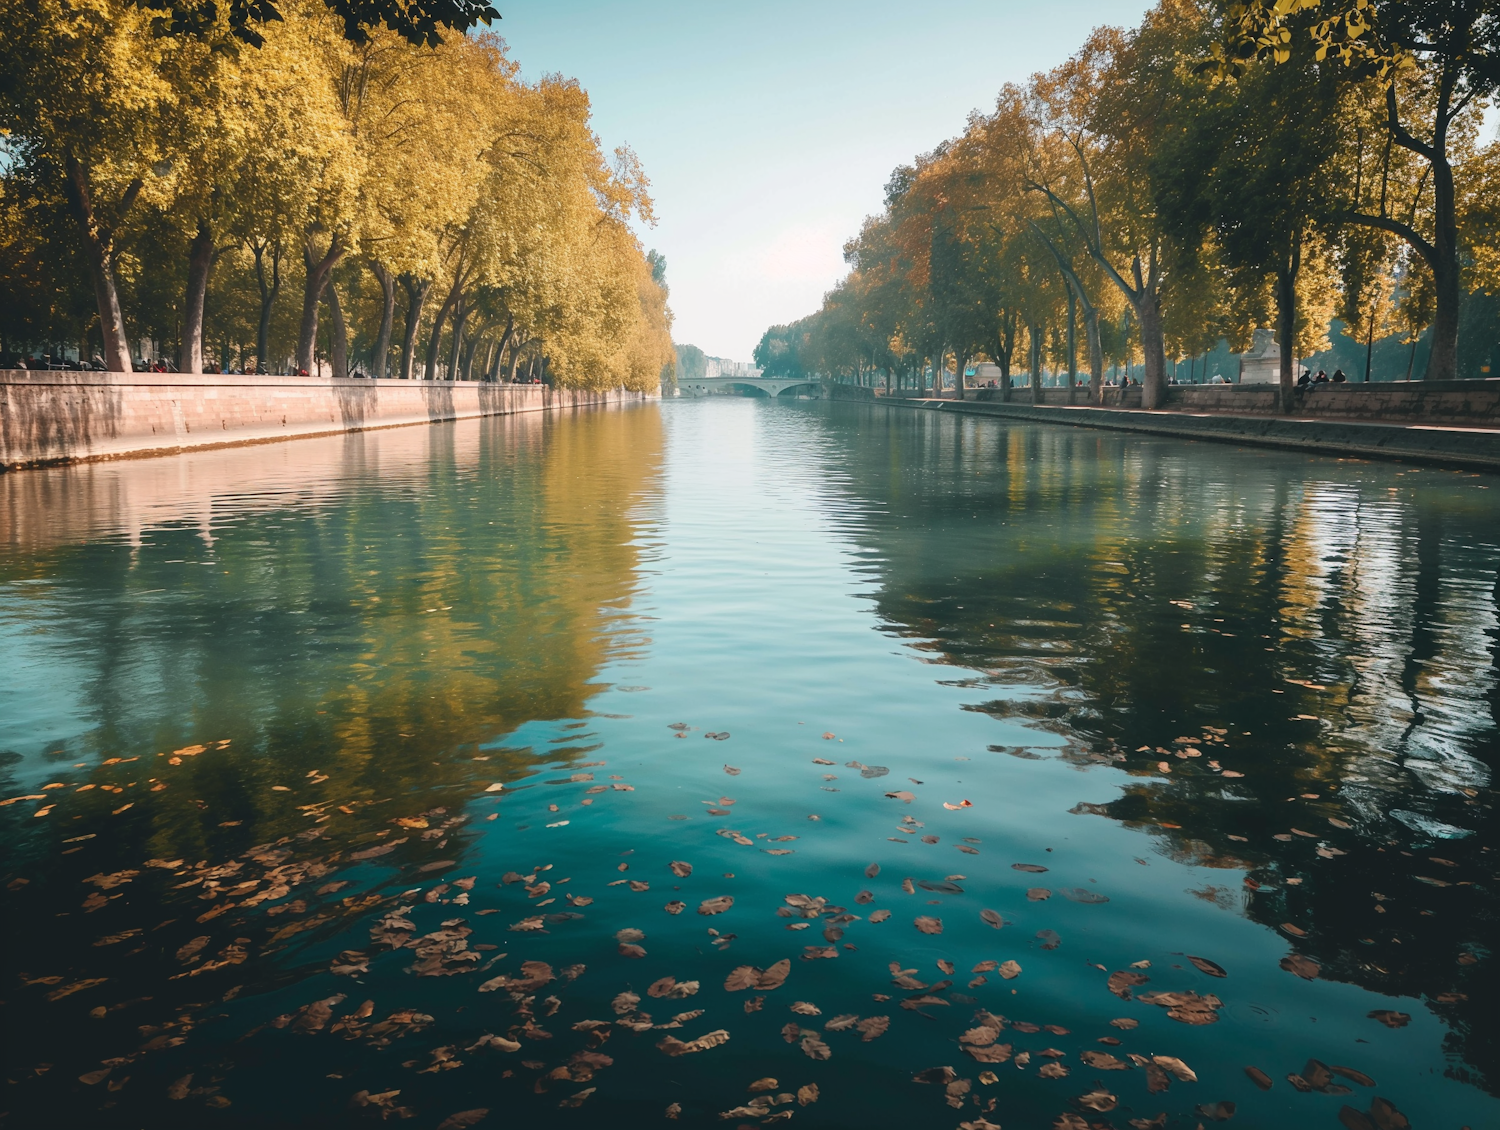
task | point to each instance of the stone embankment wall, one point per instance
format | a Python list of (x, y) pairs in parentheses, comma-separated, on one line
[(1475, 403), (48, 417)]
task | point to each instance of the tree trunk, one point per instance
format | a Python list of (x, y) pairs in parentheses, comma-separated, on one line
[(456, 347), (1153, 350), (318, 270), (1286, 322), (960, 362), (1096, 356), (1035, 358), (200, 260), (99, 249), (434, 340), (380, 359), (268, 293), (416, 298), (340, 333), (1072, 343)]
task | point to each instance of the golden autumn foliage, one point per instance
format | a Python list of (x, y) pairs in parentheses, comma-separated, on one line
[(314, 204)]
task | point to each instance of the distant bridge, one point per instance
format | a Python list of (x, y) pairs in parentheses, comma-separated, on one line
[(750, 386)]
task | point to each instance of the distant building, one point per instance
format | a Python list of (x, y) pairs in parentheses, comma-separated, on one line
[(722, 368)]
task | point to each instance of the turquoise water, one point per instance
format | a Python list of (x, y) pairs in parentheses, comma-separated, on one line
[(308, 706)]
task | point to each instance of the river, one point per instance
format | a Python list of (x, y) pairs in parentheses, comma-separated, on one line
[(733, 762)]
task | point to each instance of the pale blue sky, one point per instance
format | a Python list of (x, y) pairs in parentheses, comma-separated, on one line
[(769, 129)]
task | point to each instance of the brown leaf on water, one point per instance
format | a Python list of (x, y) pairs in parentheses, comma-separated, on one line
[(791, 1033), (814, 953), (1120, 983), (674, 1110), (807, 1095), (90, 1078), (1176, 1067), (463, 1119), (671, 988), (1101, 1100), (731, 770), (1259, 1078), (675, 1047), (1125, 1022), (989, 1053), (929, 925), (1157, 1123), (1304, 967), (1390, 1018), (979, 1036), (767, 1084), (1033, 867), (937, 1076), (1010, 970), (676, 906), (842, 1023), (864, 898), (873, 1027), (577, 1100), (717, 905), (1212, 968), (1103, 1061), (1295, 931), (806, 1008), (880, 915), (902, 795), (639, 885), (1217, 1112), (75, 987), (1188, 1008), (775, 975), (680, 869), (828, 736), (1068, 1120), (872, 870), (1156, 1078), (1353, 1119), (629, 950), (1352, 1075), (813, 1046), (979, 1124), (1386, 1117), (1053, 1070), (1038, 894)]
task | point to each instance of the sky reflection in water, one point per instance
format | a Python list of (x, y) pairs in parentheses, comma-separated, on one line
[(1240, 706)]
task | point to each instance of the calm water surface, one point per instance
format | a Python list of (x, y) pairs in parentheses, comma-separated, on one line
[(496, 766)]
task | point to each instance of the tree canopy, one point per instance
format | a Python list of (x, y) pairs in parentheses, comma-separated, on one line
[(322, 202), (1218, 168)]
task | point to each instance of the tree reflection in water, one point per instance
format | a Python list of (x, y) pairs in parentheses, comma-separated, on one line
[(1329, 643)]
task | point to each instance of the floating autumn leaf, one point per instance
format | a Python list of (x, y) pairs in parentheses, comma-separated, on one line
[(1053, 1070), (960, 804), (1304, 967), (842, 1023), (1038, 894), (1010, 970), (992, 918), (813, 953), (1189, 1008), (463, 1119), (731, 770), (1120, 984), (1259, 1078), (864, 898), (806, 1008), (1102, 1101), (717, 905), (1212, 968), (873, 1027), (749, 977), (880, 915), (902, 795), (872, 870), (1217, 1112), (813, 1046), (1390, 1018), (671, 988), (1103, 1061), (676, 906), (928, 924), (1033, 867), (777, 851), (675, 1047), (1083, 895), (1349, 1073), (633, 951), (1181, 1070), (767, 1084), (807, 1095), (680, 869), (827, 736)]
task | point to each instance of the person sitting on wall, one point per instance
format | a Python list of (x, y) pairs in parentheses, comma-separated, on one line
[(1339, 377), (1321, 378), (1305, 379)]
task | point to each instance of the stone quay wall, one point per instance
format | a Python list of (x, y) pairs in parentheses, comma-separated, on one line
[(61, 417), (1471, 403)]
